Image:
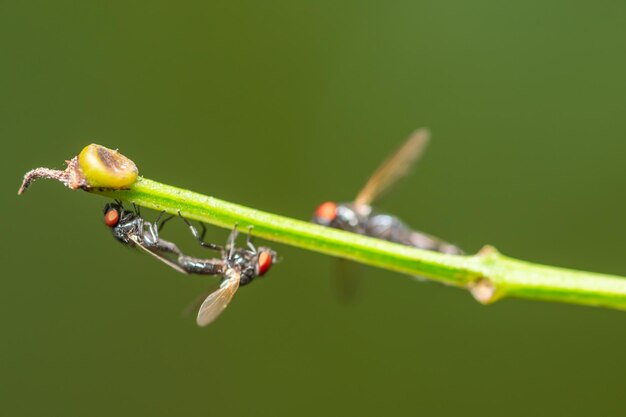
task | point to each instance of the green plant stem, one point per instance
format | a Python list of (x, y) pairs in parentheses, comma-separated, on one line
[(488, 275)]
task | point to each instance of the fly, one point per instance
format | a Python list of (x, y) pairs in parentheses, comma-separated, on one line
[(237, 266), (129, 228), (359, 217)]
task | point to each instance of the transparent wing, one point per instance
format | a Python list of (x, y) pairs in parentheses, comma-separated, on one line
[(429, 242), (218, 300), (394, 167), (346, 280), (194, 305), (158, 256)]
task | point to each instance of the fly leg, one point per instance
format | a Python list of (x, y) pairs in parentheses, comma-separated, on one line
[(230, 243), (200, 235), (151, 238), (161, 223), (249, 240)]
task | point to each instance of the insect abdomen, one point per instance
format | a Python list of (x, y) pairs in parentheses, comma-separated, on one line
[(201, 266)]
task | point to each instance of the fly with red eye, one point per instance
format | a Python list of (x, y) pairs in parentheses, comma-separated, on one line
[(237, 267), (130, 229), (359, 217)]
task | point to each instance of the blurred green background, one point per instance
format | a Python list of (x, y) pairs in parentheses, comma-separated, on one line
[(279, 106)]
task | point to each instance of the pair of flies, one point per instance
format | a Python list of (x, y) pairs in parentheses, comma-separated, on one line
[(236, 266), (240, 266)]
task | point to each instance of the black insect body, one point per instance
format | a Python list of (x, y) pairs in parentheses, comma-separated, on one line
[(359, 217), (237, 266), (364, 220), (129, 228)]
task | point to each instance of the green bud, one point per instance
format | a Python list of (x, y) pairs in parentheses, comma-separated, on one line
[(107, 168)]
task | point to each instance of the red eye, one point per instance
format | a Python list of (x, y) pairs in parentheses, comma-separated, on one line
[(265, 261), (111, 217), (327, 211)]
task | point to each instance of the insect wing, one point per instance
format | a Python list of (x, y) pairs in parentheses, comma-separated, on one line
[(157, 255), (393, 168), (346, 280), (425, 241), (218, 300)]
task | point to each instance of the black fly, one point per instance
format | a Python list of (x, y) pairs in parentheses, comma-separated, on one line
[(359, 216), (237, 266), (129, 228)]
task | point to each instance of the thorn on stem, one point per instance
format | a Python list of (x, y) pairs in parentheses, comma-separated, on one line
[(488, 250), (483, 290)]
